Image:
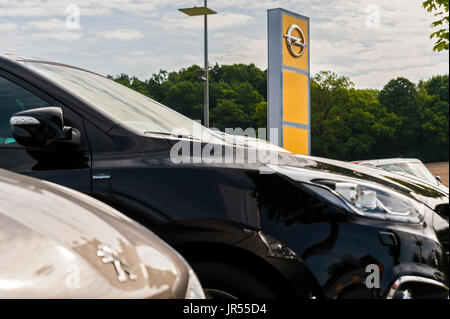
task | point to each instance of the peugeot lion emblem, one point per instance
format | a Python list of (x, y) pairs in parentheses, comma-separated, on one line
[(295, 41), (110, 255)]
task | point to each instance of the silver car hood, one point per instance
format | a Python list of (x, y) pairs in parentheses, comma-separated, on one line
[(50, 239)]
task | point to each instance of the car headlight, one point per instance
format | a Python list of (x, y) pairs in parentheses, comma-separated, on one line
[(376, 202), (194, 288)]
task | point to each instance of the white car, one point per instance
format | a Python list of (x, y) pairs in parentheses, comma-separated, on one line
[(58, 243), (407, 166)]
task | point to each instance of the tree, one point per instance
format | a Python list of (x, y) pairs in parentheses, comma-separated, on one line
[(440, 7), (259, 115), (226, 112), (329, 94), (435, 118), (373, 128), (400, 96), (348, 123)]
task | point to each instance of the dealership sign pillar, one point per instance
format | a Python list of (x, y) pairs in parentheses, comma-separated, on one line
[(288, 81)]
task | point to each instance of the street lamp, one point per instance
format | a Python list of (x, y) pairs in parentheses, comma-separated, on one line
[(203, 11)]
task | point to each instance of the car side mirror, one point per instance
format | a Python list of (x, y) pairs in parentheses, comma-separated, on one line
[(438, 178), (43, 127)]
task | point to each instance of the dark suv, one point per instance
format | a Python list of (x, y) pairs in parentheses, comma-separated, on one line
[(292, 227)]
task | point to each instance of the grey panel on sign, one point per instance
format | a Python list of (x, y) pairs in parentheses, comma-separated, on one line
[(273, 74)]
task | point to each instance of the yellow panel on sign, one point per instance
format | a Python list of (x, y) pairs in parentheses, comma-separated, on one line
[(288, 58), (295, 140), (295, 97)]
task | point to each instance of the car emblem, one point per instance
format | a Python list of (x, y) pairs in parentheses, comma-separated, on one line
[(292, 41), (110, 255)]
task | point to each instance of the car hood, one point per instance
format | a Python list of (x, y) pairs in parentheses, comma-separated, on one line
[(51, 238), (440, 187), (309, 168), (300, 168)]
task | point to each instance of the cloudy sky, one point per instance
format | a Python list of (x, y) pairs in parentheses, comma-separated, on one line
[(370, 41)]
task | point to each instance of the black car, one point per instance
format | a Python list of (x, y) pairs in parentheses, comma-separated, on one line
[(289, 227)]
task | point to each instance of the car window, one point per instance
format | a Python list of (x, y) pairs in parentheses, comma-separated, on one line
[(125, 105), (13, 99)]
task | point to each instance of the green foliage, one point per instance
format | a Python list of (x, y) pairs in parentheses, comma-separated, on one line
[(259, 115), (401, 120), (440, 9), (348, 123), (435, 99)]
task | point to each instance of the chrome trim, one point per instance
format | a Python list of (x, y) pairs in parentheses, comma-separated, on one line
[(275, 248), (101, 176), (23, 120), (110, 255), (218, 294), (405, 279), (292, 40)]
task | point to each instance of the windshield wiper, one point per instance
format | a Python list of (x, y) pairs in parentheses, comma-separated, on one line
[(191, 137)]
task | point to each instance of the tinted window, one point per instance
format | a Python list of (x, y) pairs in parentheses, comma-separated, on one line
[(122, 103), (13, 99)]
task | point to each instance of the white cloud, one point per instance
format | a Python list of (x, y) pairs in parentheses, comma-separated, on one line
[(243, 50), (49, 29), (121, 34), (141, 58), (59, 36), (371, 56), (143, 36), (52, 24), (176, 22), (49, 8), (249, 4), (5, 27)]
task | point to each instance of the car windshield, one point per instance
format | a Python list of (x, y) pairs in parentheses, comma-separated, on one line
[(123, 104), (417, 170)]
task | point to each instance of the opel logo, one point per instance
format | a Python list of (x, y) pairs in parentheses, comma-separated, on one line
[(295, 40), (110, 255)]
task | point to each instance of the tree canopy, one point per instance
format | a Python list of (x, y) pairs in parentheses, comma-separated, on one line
[(440, 10), (404, 119)]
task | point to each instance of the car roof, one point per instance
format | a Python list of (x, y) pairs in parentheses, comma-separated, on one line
[(20, 58), (388, 161)]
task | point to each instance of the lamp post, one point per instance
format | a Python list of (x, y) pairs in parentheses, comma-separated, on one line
[(203, 11)]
